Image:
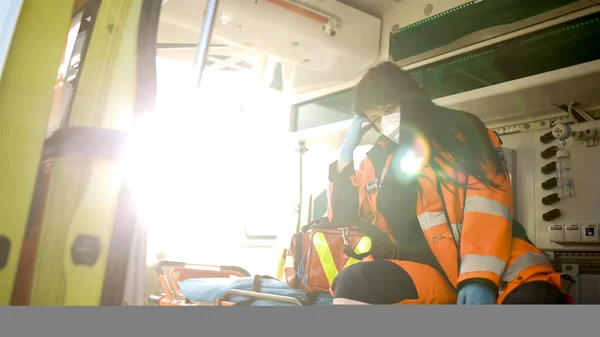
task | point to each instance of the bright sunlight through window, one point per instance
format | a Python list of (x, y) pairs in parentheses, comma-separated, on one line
[(206, 172)]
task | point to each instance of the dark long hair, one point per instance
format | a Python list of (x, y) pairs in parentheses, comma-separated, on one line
[(456, 138)]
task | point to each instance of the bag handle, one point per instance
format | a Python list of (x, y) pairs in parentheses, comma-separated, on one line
[(325, 223)]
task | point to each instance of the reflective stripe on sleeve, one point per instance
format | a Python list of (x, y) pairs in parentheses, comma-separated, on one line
[(429, 220), (476, 203), (482, 263), (523, 262)]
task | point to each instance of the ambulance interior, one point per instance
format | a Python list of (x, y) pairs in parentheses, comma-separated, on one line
[(222, 180), (288, 68)]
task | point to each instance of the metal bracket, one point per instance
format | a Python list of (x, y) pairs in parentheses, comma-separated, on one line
[(533, 125), (570, 269), (330, 28), (542, 124), (590, 136), (302, 149), (570, 273), (592, 142)]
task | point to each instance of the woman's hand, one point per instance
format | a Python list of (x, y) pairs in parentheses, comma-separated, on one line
[(352, 139)]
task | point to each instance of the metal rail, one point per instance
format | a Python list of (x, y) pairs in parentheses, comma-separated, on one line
[(205, 36), (262, 296)]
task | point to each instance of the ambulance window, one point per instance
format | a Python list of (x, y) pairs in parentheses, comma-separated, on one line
[(271, 192), (324, 110)]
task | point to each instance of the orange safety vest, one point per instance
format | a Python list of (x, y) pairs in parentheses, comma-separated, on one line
[(475, 224)]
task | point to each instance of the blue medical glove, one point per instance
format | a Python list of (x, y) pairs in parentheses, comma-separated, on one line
[(476, 294), (352, 139)]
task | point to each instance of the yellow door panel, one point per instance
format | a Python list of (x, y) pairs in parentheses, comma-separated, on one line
[(26, 92)]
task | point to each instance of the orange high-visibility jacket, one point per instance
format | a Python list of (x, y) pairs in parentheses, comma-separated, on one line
[(480, 229)]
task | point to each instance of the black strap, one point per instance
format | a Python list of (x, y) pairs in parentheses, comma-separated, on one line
[(256, 283), (350, 252), (310, 299), (256, 288), (321, 222), (373, 232), (382, 248)]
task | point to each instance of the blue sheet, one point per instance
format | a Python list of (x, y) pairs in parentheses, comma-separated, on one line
[(208, 289)]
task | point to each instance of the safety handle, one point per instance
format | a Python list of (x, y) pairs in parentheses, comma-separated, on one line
[(166, 263)]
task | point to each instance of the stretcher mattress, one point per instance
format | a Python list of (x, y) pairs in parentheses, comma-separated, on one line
[(209, 289)]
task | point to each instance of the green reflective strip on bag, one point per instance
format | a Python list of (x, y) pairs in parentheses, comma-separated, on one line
[(326, 258), (363, 246), (26, 94)]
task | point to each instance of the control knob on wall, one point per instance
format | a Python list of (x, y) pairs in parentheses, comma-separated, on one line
[(551, 215), (550, 184), (549, 168), (550, 199), (547, 138), (549, 152)]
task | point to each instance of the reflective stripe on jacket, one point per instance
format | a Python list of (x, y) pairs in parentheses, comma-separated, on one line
[(472, 237)]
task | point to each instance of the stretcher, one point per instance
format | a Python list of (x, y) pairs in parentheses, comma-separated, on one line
[(204, 285)]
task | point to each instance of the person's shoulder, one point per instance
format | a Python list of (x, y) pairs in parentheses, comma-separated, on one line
[(493, 136), (462, 115), (382, 145)]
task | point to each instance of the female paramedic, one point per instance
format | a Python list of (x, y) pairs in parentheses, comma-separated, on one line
[(437, 185)]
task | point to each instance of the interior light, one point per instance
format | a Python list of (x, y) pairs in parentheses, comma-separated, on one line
[(410, 163)]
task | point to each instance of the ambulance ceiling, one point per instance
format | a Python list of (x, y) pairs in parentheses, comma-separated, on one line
[(260, 30), (178, 42), (220, 56), (372, 7)]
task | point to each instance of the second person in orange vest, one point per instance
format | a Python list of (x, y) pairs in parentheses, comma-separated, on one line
[(436, 182)]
